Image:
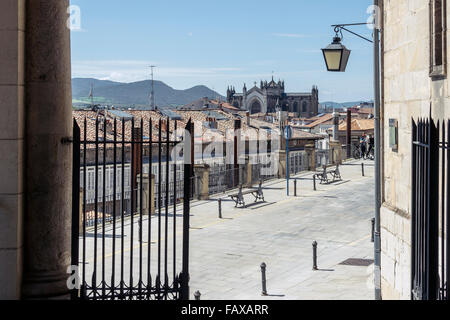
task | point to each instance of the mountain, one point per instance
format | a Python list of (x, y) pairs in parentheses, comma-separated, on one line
[(135, 94), (337, 105)]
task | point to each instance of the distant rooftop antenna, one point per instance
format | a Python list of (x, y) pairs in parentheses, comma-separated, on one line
[(91, 96), (152, 94)]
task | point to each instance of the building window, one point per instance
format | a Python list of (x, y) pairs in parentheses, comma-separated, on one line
[(91, 182), (304, 107), (438, 39)]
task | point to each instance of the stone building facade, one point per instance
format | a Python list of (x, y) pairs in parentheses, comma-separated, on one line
[(271, 97), (414, 58), (35, 156)]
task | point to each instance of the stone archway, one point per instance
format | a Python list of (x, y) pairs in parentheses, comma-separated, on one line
[(255, 106), (304, 107)]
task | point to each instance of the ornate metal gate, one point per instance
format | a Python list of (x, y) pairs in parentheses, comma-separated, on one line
[(430, 210), (125, 239)]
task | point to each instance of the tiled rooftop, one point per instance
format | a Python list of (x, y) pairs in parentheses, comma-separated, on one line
[(150, 121)]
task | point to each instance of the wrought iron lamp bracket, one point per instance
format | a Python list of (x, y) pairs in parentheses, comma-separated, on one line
[(339, 27)]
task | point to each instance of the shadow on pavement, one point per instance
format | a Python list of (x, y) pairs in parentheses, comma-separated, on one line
[(326, 270)]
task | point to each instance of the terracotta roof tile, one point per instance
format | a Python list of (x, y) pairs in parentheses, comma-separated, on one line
[(358, 125), (325, 118)]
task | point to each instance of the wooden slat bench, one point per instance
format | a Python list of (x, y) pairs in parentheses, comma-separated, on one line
[(323, 175), (257, 193)]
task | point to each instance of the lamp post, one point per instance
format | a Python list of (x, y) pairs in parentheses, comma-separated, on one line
[(287, 136), (336, 58)]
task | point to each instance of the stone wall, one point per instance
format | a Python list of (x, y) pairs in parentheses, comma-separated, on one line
[(12, 65), (408, 93)]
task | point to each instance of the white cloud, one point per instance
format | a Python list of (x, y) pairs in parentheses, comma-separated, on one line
[(134, 70)]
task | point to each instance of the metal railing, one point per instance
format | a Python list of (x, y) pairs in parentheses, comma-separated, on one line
[(119, 267), (430, 210)]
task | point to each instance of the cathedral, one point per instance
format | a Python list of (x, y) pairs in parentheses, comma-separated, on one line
[(271, 97)]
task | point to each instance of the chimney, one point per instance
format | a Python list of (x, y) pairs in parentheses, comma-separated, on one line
[(247, 115), (164, 125)]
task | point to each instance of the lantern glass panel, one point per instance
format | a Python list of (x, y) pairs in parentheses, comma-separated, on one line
[(333, 59)]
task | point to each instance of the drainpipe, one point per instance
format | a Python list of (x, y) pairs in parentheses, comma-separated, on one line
[(377, 80)]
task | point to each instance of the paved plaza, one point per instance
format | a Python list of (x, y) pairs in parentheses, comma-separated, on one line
[(226, 254)]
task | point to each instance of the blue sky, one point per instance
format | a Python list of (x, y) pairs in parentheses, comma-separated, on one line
[(220, 43)]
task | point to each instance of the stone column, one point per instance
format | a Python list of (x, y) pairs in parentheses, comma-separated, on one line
[(202, 172), (335, 152), (282, 163), (146, 189), (48, 174), (311, 151), (248, 168), (12, 64), (335, 126)]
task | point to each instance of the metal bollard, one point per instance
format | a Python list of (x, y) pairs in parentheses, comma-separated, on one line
[(315, 256), (295, 187), (373, 229), (220, 208), (264, 282), (362, 166), (197, 295), (314, 182)]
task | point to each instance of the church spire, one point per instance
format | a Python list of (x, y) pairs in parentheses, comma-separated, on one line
[(277, 106)]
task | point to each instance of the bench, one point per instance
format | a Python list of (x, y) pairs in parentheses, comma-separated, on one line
[(238, 198), (323, 175)]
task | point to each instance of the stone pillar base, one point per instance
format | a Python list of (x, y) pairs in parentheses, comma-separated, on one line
[(49, 285), (335, 152), (311, 152), (146, 189), (249, 169), (282, 159), (202, 172)]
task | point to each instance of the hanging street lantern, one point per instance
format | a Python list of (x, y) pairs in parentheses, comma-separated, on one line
[(336, 56)]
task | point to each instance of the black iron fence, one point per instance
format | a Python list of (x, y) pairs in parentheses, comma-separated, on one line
[(299, 162), (430, 210), (223, 178), (122, 248), (322, 157)]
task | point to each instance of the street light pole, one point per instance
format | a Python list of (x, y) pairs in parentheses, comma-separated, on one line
[(287, 136), (377, 94), (336, 57)]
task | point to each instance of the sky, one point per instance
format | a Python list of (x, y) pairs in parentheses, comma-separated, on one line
[(219, 43)]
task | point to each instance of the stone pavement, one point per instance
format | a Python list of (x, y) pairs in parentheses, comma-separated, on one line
[(226, 253)]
